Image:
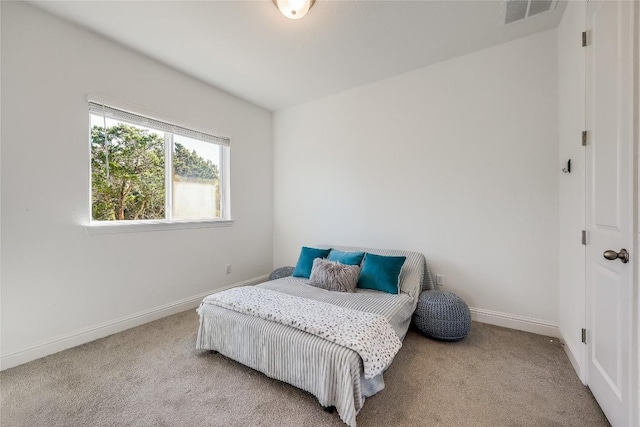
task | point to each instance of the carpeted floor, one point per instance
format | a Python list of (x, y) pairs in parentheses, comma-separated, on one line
[(153, 376)]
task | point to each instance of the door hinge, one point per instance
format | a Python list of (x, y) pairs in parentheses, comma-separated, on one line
[(584, 38), (584, 237), (584, 138), (584, 335)]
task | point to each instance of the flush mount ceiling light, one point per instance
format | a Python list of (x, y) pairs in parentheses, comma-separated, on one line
[(294, 9)]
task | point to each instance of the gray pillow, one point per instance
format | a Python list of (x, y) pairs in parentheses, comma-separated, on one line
[(334, 276)]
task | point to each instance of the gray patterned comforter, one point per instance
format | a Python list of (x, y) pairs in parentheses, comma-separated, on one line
[(331, 372)]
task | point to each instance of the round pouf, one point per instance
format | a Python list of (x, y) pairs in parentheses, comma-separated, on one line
[(281, 272), (442, 315)]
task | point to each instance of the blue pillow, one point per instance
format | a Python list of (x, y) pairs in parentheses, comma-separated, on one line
[(305, 261), (347, 258), (381, 273)]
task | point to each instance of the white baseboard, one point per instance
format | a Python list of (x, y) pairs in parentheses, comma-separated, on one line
[(111, 327), (513, 321), (574, 357)]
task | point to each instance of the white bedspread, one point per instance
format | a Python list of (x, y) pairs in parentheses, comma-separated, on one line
[(370, 335)]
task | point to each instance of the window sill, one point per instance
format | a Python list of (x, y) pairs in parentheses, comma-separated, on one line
[(115, 227)]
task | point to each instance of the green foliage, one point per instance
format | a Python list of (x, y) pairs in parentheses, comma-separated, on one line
[(133, 186), (190, 165)]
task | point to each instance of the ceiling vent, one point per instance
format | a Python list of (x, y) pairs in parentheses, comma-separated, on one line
[(515, 10)]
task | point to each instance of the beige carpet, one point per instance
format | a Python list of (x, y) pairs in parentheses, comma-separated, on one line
[(153, 376)]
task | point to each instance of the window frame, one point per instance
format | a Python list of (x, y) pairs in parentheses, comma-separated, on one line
[(164, 124)]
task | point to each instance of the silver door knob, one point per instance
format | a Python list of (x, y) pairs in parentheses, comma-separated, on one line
[(623, 255)]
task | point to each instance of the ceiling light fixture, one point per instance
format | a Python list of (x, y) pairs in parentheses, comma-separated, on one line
[(294, 9)]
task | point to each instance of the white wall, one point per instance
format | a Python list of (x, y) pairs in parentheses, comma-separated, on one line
[(458, 160), (571, 123), (60, 285)]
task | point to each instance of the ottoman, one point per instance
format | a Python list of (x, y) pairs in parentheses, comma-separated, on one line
[(442, 315), (281, 272)]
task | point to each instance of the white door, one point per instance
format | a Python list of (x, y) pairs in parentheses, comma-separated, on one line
[(610, 209)]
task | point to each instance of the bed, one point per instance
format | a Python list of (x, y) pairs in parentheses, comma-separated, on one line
[(331, 372)]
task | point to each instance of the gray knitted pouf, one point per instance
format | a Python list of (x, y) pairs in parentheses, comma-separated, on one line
[(442, 315), (281, 272)]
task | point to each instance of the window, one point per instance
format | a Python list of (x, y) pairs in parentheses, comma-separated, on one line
[(143, 169)]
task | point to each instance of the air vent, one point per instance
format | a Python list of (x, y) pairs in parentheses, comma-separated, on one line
[(515, 10)]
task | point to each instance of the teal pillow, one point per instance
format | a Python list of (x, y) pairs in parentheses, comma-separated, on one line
[(305, 261), (381, 273), (347, 258)]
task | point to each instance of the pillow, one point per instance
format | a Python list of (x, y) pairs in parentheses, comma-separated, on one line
[(333, 276), (381, 273), (349, 258), (305, 261)]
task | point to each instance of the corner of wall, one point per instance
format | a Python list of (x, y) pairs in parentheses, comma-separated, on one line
[(575, 357)]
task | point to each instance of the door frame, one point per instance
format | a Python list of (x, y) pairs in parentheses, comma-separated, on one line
[(635, 326)]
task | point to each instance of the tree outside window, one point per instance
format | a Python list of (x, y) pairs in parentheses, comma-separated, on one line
[(139, 173)]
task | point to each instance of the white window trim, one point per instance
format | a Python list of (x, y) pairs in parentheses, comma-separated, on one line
[(115, 227)]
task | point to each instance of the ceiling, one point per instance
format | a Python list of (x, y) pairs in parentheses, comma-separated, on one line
[(249, 49)]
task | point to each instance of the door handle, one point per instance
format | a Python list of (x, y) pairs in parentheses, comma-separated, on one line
[(623, 255)]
